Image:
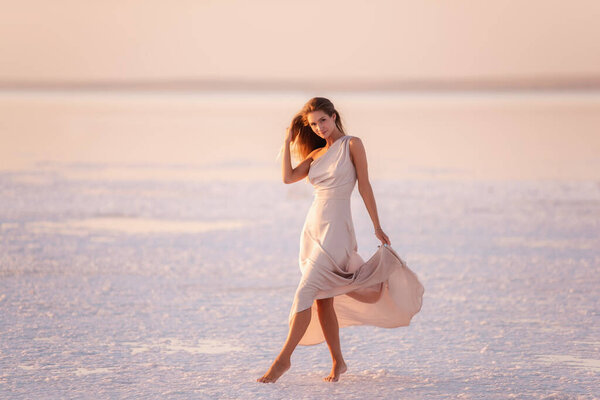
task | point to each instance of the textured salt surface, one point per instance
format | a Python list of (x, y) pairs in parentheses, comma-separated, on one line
[(94, 305), (129, 225)]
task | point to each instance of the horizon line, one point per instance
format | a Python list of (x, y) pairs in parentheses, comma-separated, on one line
[(225, 85)]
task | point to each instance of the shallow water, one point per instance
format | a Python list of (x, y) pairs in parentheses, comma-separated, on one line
[(236, 136)]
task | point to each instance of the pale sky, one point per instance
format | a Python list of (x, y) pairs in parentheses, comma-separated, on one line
[(121, 40)]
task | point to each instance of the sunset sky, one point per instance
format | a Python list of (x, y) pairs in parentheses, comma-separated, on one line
[(265, 40)]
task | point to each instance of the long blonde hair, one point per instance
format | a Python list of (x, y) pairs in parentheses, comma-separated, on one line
[(304, 140)]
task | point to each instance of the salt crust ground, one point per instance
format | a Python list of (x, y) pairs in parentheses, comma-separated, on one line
[(154, 289)]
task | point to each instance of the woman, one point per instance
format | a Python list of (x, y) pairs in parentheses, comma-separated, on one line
[(382, 291)]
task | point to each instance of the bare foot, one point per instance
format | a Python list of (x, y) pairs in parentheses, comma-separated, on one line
[(336, 371), (276, 370)]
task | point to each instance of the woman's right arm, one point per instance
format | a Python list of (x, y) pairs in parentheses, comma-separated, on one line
[(291, 175)]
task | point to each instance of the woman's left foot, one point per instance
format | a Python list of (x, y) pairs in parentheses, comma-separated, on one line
[(276, 370), (337, 370)]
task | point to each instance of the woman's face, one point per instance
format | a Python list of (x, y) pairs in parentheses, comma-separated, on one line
[(321, 123)]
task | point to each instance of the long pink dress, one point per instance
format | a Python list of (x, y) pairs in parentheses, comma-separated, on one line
[(382, 291)]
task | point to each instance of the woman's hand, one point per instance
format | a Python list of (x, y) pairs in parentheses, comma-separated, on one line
[(288, 135), (382, 236)]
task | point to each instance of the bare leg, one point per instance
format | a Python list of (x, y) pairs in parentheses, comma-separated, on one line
[(282, 362), (331, 331)]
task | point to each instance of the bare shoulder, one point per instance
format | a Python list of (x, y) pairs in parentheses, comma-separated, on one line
[(315, 153), (357, 150)]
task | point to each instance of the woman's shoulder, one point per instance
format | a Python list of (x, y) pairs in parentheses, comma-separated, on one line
[(355, 146), (314, 153)]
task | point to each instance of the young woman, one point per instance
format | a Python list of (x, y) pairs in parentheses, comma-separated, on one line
[(382, 291)]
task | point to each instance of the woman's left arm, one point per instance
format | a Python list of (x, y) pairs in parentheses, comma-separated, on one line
[(359, 158)]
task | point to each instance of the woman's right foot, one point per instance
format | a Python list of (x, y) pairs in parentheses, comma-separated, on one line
[(337, 370), (276, 370)]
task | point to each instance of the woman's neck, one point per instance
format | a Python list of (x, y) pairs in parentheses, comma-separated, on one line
[(334, 136)]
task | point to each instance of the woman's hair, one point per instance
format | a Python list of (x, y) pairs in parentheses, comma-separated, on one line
[(304, 140)]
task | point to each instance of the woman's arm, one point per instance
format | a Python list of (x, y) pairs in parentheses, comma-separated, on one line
[(289, 174), (359, 158)]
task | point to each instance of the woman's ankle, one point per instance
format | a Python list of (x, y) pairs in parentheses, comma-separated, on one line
[(338, 361), (283, 360)]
